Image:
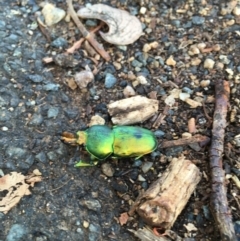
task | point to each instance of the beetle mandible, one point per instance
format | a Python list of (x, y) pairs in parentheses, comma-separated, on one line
[(120, 141)]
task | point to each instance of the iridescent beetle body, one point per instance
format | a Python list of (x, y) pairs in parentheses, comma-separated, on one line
[(120, 141)]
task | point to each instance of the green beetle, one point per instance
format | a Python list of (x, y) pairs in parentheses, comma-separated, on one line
[(120, 141)]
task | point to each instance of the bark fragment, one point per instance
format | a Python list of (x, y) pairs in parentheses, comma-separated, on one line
[(161, 204), (132, 110), (219, 203)]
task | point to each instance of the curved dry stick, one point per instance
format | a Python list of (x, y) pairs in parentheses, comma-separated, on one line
[(88, 36), (219, 203)]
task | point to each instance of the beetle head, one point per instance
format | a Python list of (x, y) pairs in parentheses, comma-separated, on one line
[(69, 138)]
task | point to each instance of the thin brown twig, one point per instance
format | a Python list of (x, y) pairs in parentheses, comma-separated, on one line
[(88, 36), (218, 202)]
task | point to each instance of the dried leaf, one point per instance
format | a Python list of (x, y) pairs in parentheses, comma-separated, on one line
[(16, 187), (123, 218), (123, 28)]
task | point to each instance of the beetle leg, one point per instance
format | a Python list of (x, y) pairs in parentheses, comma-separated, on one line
[(93, 162), (136, 158), (86, 164)]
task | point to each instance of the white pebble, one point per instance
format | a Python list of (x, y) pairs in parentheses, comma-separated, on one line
[(4, 128), (209, 63), (142, 80), (141, 178), (143, 10), (129, 91)]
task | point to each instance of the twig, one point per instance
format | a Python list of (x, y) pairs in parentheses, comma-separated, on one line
[(186, 141), (88, 36), (219, 203)]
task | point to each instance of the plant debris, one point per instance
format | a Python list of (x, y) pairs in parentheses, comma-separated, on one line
[(219, 203), (124, 28), (16, 185), (132, 110)]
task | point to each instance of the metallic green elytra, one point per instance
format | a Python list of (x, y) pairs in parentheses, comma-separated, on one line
[(120, 141)]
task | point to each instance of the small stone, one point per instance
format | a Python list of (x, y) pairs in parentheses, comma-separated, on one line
[(154, 44), (159, 133), (198, 20), (41, 157), (205, 83), (59, 42), (230, 22), (229, 71), (107, 169), (16, 233), (146, 48), (117, 65), (110, 80), (195, 61), (37, 119), (143, 10), (52, 87), (216, 47), (35, 78), (224, 59), (92, 204), (142, 80), (53, 112), (4, 128), (129, 91), (193, 50), (170, 61), (236, 11), (85, 224), (201, 46), (208, 63), (147, 166), (96, 120), (71, 83), (52, 156), (186, 135), (141, 178), (15, 152), (183, 96), (83, 78), (52, 14)]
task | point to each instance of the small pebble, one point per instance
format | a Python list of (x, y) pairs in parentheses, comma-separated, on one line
[(52, 15), (186, 135), (205, 83), (52, 87), (129, 91), (208, 63), (110, 81), (143, 10), (236, 11), (107, 169), (83, 78), (170, 61), (85, 224), (154, 44), (193, 50), (53, 112), (141, 178), (4, 128), (146, 48), (147, 166), (142, 80), (96, 120), (198, 20)]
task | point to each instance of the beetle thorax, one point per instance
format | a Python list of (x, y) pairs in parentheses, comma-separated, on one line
[(81, 137)]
